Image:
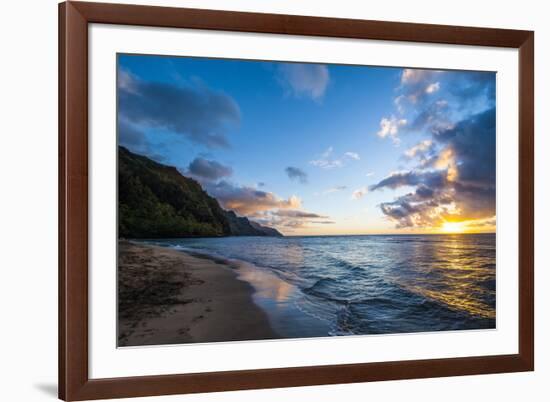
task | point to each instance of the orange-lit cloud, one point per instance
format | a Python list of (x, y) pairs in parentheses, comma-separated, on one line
[(248, 200)]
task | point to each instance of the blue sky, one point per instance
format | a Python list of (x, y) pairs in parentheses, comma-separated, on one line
[(320, 149)]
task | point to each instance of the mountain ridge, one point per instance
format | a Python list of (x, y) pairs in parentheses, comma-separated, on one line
[(157, 201)]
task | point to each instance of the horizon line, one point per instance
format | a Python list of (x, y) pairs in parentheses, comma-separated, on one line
[(388, 234)]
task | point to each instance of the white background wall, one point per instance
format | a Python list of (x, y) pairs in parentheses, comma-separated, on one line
[(28, 199)]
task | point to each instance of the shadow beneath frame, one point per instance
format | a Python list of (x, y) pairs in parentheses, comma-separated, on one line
[(48, 389)]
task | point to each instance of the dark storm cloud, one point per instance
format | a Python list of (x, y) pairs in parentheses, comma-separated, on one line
[(473, 141), (198, 113), (424, 192), (295, 173), (208, 169), (434, 178), (459, 182)]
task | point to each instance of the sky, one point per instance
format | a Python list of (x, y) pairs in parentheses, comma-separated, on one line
[(317, 149)]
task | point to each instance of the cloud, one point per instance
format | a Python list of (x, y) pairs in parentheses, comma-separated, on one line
[(135, 140), (473, 142), (435, 99), (432, 88), (415, 76), (198, 113), (417, 85), (482, 223), (359, 193), (389, 127), (352, 155), (453, 170), (127, 82), (335, 189), (326, 162), (208, 169), (425, 152), (291, 213), (295, 173), (262, 206), (130, 136), (289, 220), (411, 178), (432, 117), (247, 200), (309, 80), (408, 211), (457, 183), (471, 86), (368, 174)]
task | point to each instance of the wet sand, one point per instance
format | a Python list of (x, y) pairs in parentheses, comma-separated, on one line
[(169, 297)]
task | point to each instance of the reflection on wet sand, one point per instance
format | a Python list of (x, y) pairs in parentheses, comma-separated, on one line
[(280, 299), (267, 285)]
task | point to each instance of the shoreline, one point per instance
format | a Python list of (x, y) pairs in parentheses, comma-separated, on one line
[(168, 296)]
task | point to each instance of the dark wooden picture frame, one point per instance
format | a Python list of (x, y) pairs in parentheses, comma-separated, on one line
[(74, 381)]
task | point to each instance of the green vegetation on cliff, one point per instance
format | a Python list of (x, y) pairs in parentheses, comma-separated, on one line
[(156, 201)]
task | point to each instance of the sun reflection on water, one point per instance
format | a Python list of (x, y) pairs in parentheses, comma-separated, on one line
[(454, 276)]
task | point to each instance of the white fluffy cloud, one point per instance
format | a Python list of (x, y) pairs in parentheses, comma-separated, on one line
[(430, 89), (411, 76), (353, 155), (326, 162), (419, 149), (389, 127)]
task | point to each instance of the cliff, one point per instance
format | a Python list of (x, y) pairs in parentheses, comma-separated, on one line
[(157, 201)]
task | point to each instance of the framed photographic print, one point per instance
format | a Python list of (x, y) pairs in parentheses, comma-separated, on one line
[(257, 200)]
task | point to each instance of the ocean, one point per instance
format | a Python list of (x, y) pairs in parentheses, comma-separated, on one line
[(357, 285)]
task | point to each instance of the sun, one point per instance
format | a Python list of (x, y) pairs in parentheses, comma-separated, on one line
[(452, 227)]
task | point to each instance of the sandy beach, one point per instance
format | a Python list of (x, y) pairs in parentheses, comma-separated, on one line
[(170, 297)]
